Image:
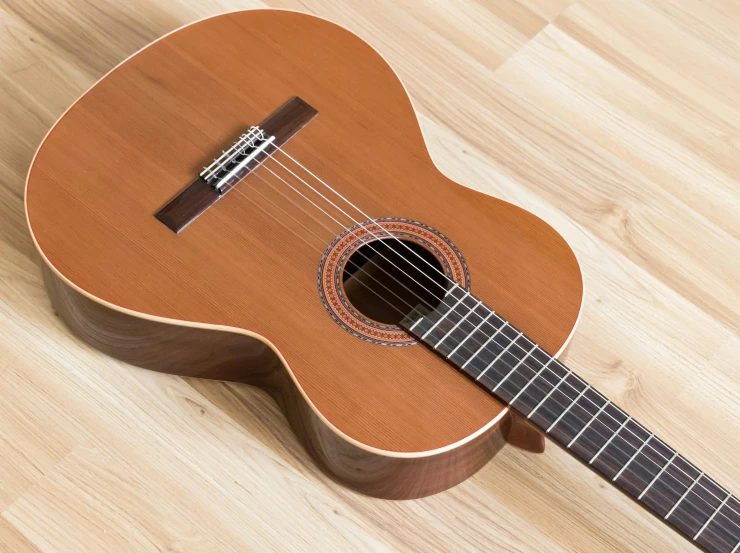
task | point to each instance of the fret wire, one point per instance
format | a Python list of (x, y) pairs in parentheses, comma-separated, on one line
[(417, 321), (635, 454), (603, 447), (544, 399), (717, 510), (675, 454), (588, 424), (680, 499), (450, 310), (457, 324), (503, 351), (506, 323), (658, 475), (588, 387), (655, 479), (515, 367), (476, 329), (530, 382), (737, 547)]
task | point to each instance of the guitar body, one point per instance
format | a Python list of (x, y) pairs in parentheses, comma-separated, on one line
[(236, 294)]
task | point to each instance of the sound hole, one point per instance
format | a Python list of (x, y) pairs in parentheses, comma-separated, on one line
[(385, 279)]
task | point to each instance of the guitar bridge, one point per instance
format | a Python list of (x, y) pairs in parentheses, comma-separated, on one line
[(229, 164), (235, 163)]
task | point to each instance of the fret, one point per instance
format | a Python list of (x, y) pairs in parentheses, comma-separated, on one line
[(688, 490), (457, 327), (656, 477), (457, 324), (444, 328), (592, 419), (517, 371), (706, 492), (633, 457), (697, 507), (450, 310), (476, 329), (496, 359), (531, 381), (416, 312), (733, 508), (709, 520), (420, 315), (485, 344), (596, 433), (425, 320), (724, 528), (666, 492), (484, 371), (513, 369), (639, 468), (567, 409), (562, 394), (552, 391), (536, 376), (469, 335), (611, 438)]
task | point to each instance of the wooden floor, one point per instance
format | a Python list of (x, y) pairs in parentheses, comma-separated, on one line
[(618, 121)]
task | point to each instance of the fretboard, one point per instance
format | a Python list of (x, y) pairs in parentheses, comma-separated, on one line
[(514, 369)]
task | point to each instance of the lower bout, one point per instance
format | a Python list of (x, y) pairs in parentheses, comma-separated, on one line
[(214, 354)]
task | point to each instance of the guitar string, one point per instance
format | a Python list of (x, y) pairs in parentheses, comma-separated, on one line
[(353, 230), (364, 226), (349, 260), (507, 365), (585, 438), (361, 239), (358, 267), (455, 284)]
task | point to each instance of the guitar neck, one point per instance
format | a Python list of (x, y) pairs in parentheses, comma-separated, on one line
[(514, 369)]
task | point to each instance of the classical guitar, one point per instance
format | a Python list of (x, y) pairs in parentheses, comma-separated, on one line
[(250, 199)]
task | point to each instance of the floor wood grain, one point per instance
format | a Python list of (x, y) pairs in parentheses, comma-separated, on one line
[(616, 121)]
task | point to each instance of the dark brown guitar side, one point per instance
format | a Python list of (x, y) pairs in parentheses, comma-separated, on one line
[(233, 295)]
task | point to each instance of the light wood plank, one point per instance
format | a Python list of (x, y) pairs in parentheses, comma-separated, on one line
[(617, 122)]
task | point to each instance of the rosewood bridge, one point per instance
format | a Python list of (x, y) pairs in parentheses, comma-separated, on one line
[(235, 163)]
